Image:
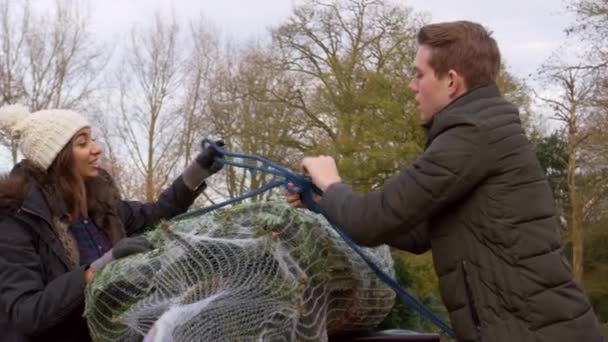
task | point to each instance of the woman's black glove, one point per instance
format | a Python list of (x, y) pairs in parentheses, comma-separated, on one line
[(123, 248), (204, 166)]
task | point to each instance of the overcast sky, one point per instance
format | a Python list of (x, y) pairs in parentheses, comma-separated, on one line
[(527, 31)]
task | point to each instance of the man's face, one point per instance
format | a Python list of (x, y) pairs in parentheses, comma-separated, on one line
[(432, 93)]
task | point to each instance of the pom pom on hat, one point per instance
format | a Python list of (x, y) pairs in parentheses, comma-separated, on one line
[(12, 118)]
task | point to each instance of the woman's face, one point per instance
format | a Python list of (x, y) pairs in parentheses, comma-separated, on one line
[(86, 154)]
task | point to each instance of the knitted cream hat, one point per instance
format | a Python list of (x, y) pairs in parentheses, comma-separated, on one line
[(42, 134)]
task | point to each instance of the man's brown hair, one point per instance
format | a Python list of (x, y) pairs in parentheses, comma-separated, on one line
[(465, 47)]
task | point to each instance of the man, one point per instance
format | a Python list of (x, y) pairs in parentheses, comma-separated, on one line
[(477, 197)]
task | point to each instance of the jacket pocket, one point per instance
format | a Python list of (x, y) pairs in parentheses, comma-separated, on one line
[(470, 297)]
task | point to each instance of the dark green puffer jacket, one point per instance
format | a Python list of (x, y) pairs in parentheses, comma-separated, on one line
[(478, 198)]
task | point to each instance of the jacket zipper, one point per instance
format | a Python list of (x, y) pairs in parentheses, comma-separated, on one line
[(470, 298)]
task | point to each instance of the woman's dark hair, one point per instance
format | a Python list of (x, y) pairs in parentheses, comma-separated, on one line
[(62, 172)]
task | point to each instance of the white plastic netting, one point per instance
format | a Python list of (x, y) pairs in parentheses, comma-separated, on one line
[(261, 271)]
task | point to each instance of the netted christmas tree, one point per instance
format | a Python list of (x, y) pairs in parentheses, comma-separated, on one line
[(262, 271)]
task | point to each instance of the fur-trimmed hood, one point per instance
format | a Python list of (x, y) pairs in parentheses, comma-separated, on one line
[(15, 187), (28, 187)]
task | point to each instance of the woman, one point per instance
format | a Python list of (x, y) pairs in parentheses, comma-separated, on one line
[(61, 219)]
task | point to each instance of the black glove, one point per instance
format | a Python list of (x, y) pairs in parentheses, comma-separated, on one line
[(204, 166), (206, 158), (123, 248), (131, 245)]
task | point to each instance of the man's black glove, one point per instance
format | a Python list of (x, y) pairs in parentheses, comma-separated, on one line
[(204, 166), (123, 248)]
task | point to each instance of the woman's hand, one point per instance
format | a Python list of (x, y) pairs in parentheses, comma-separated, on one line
[(88, 275)]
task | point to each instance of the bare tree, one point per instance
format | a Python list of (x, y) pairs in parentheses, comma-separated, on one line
[(595, 152), (591, 26), (149, 119), (113, 160), (245, 116), (571, 104), (64, 62), (198, 71), (48, 59), (14, 27)]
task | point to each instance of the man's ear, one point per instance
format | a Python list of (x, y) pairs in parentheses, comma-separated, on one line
[(456, 84)]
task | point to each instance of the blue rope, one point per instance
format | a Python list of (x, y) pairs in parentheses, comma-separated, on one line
[(249, 194), (390, 282), (306, 188)]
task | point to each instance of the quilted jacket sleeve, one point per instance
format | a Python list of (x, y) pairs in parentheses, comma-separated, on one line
[(452, 165)]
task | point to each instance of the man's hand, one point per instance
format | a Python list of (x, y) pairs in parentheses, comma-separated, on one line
[(323, 173), (295, 200), (322, 170)]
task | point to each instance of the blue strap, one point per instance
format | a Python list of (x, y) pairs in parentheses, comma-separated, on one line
[(307, 189), (302, 183), (249, 194), (390, 282)]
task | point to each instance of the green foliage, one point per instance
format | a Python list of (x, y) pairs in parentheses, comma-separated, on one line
[(416, 274), (384, 136), (552, 152), (596, 267), (352, 62), (518, 93)]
